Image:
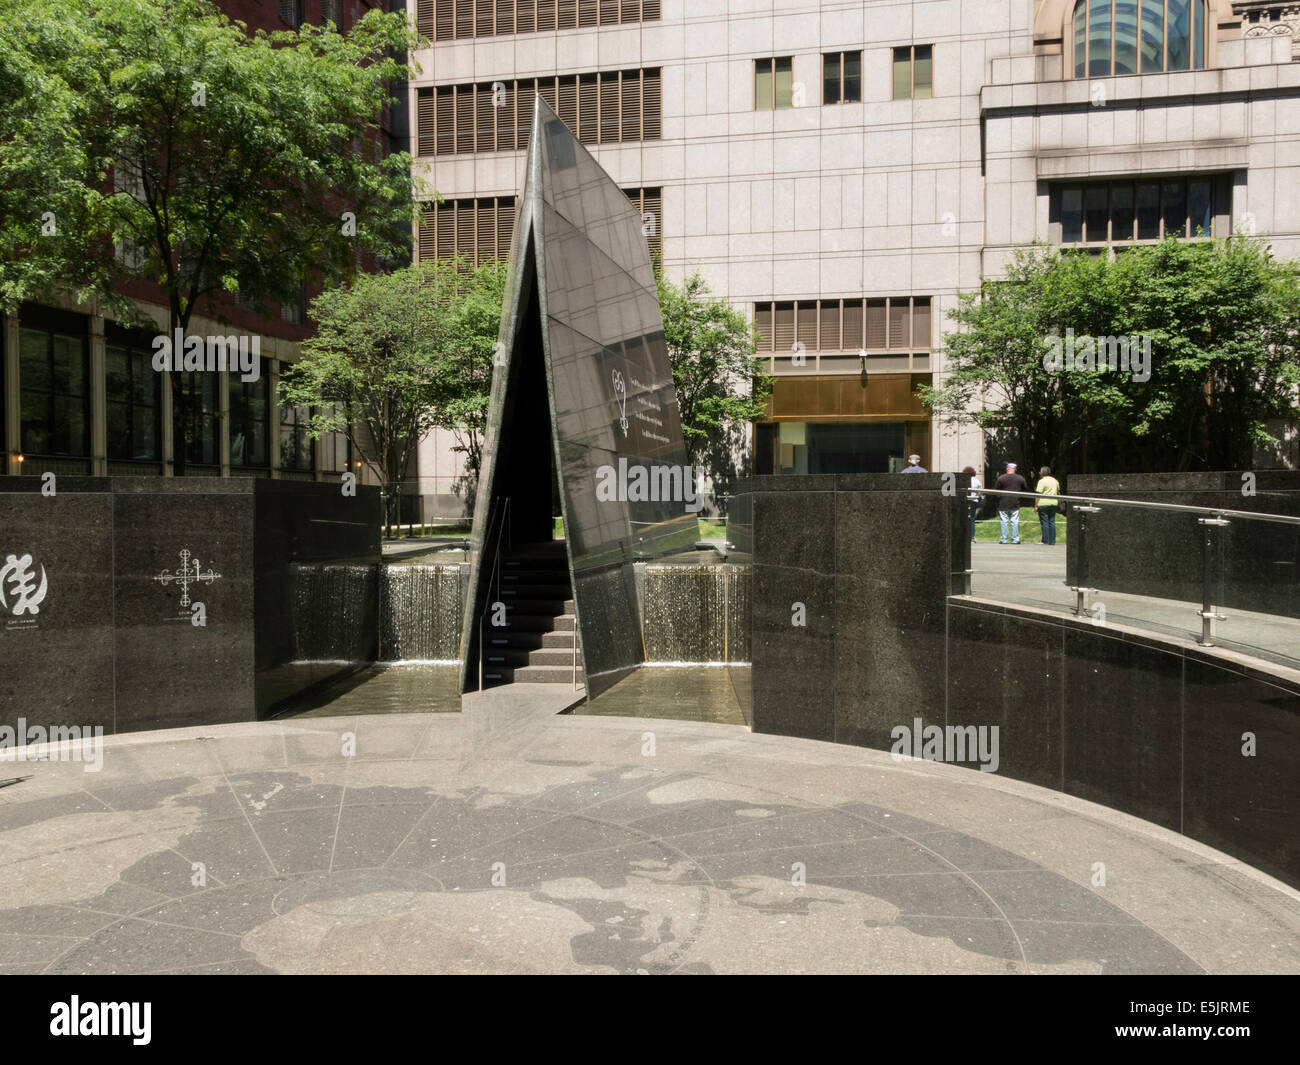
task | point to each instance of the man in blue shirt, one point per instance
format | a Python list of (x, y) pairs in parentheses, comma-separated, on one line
[(916, 466)]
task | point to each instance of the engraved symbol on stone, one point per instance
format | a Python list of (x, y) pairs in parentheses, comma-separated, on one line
[(187, 574), (18, 580), (620, 395)]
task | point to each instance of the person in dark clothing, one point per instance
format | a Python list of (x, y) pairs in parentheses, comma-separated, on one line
[(1009, 505), (973, 498)]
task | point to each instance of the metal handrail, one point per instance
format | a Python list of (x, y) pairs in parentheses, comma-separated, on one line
[(1285, 519), (1209, 519), (500, 519)]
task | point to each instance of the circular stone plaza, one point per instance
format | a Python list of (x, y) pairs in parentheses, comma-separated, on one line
[(511, 839)]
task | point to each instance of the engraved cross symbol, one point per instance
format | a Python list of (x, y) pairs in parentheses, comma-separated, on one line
[(186, 575)]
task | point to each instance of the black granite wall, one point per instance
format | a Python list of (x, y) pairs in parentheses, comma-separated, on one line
[(866, 562), (116, 640), (1256, 563), (1147, 725)]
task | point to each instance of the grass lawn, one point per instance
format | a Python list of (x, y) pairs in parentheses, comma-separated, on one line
[(990, 529)]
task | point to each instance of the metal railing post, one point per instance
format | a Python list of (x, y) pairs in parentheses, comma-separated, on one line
[(1207, 615), (1082, 592)]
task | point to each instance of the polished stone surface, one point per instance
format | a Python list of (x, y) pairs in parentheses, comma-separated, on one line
[(585, 389), (1204, 741), (1159, 553), (851, 574), (120, 641), (513, 840)]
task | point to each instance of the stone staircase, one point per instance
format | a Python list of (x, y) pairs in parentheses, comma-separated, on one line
[(537, 643)]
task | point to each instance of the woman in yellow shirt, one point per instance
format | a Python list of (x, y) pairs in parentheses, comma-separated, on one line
[(1048, 488)]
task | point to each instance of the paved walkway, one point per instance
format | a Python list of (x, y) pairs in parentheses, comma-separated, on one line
[(509, 839), (1035, 576)]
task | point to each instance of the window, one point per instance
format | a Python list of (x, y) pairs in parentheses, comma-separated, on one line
[(602, 108), (297, 450), (1108, 212), (445, 20), (649, 204), (133, 393), (913, 72), (842, 78), (200, 412), (336, 450), (293, 311), (894, 323), (332, 11), (291, 12), (248, 417), (773, 84), (53, 369), (1138, 36)]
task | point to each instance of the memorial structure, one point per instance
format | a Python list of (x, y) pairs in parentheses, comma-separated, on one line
[(583, 418)]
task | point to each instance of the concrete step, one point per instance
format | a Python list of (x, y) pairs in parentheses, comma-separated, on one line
[(531, 623), (506, 639), (530, 675), (539, 606), (529, 656)]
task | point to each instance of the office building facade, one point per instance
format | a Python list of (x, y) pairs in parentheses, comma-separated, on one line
[(841, 171)]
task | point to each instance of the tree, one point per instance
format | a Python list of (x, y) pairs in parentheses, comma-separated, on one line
[(396, 355), (1210, 331), (721, 385), (196, 156), (463, 408)]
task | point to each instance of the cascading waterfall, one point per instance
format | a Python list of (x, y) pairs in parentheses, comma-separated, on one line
[(696, 613), (420, 612), (333, 608)]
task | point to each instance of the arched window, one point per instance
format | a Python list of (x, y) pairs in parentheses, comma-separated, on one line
[(1138, 36)]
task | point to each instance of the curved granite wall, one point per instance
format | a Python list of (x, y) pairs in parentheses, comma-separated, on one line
[(1200, 740)]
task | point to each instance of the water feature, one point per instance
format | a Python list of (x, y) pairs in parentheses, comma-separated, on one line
[(420, 608), (694, 612), (333, 612)]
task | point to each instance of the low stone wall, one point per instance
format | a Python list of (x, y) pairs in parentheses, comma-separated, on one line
[(851, 576), (1200, 740), (1143, 552), (150, 602)]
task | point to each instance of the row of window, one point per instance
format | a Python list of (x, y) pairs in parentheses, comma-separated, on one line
[(607, 107), (330, 11), (447, 20), (54, 407), (1107, 212), (913, 78), (482, 230), (1139, 36), (892, 323)]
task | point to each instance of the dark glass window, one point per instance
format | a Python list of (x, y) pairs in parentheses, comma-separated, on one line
[(1138, 36), (53, 371), (1115, 211), (200, 411), (248, 422), (297, 451), (842, 78), (134, 398)]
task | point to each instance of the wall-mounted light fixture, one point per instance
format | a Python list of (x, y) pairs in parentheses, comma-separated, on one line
[(862, 361)]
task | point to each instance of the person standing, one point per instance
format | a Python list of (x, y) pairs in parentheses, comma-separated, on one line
[(1048, 488), (973, 498), (915, 466), (1009, 505)]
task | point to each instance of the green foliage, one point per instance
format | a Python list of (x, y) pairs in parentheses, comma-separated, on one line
[(396, 355), (220, 160), (721, 385), (1222, 320)]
